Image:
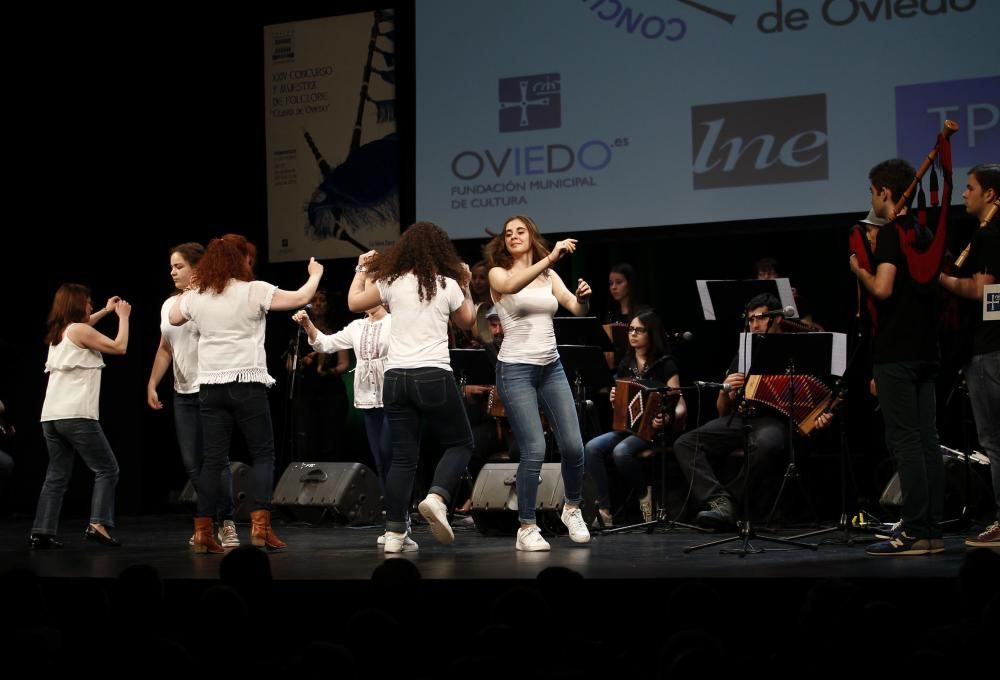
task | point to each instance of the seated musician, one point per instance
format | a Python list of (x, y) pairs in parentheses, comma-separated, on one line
[(645, 359), (625, 302), (698, 449)]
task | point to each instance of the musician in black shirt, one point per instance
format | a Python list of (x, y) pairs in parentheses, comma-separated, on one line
[(906, 360), (697, 450), (645, 359), (982, 372)]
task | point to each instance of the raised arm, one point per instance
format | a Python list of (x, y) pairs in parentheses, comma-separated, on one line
[(465, 316), (504, 282), (85, 336), (161, 362), (108, 307), (363, 294), (283, 300)]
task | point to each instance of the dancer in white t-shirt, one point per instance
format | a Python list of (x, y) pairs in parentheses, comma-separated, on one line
[(230, 310), (424, 283)]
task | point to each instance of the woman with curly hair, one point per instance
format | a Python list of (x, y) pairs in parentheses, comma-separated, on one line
[(527, 293), (229, 307), (424, 284)]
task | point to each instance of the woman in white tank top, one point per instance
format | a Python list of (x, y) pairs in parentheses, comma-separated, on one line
[(527, 293), (70, 412)]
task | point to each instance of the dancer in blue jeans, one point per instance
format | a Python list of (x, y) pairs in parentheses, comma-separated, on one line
[(179, 349), (527, 293), (424, 284), (70, 412)]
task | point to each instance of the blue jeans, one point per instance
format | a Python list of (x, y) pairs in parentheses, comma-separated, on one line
[(416, 398), (982, 375), (523, 388), (906, 394), (187, 423), (62, 438), (223, 407), (379, 441), (624, 448)]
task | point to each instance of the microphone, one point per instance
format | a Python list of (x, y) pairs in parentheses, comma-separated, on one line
[(725, 387), (680, 337), (787, 312)]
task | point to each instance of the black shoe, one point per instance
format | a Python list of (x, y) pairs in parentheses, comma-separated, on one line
[(92, 534), (718, 516), (43, 542)]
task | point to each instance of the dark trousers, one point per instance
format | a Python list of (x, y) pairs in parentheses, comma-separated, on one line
[(906, 394), (223, 407), (699, 450), (416, 399)]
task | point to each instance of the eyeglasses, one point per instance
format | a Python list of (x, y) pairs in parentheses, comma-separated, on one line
[(636, 330), (756, 317)]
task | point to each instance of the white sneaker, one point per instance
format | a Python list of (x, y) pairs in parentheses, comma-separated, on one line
[(530, 539), (646, 505), (191, 540), (573, 519), (436, 514), (408, 545), (399, 543), (228, 538)]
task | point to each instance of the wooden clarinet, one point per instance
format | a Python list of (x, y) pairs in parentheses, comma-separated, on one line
[(991, 212)]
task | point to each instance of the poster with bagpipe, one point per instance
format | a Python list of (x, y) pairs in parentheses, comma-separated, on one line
[(332, 150)]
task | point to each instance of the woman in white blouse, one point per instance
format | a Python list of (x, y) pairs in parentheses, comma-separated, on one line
[(178, 349), (70, 412), (229, 308), (369, 338)]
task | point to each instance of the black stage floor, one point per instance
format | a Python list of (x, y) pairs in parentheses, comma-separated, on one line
[(333, 553)]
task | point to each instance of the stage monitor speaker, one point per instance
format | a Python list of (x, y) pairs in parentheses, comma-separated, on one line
[(241, 480), (346, 493), (978, 500), (494, 499)]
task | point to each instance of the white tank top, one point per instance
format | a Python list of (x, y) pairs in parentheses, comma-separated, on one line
[(74, 389), (526, 317)]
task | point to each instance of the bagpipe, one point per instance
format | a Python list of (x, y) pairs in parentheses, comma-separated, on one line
[(922, 258)]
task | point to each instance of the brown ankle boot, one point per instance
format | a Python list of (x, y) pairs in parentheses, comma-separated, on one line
[(261, 533), (204, 539)]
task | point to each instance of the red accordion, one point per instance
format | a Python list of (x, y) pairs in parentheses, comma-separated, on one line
[(810, 397)]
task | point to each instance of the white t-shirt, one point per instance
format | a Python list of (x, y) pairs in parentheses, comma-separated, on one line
[(370, 342), (419, 336), (183, 341), (231, 329), (74, 389), (526, 318)]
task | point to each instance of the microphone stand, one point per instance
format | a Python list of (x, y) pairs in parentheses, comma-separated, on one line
[(292, 418)]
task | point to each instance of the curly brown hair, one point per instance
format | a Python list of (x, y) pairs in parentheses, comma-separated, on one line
[(68, 306), (229, 257), (424, 250), (496, 254)]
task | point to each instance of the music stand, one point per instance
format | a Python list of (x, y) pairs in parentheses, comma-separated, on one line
[(794, 354), (725, 299), (581, 330)]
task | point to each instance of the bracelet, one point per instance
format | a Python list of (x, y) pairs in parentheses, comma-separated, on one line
[(360, 269)]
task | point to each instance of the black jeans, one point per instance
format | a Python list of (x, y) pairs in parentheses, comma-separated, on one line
[(223, 406), (416, 398)]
